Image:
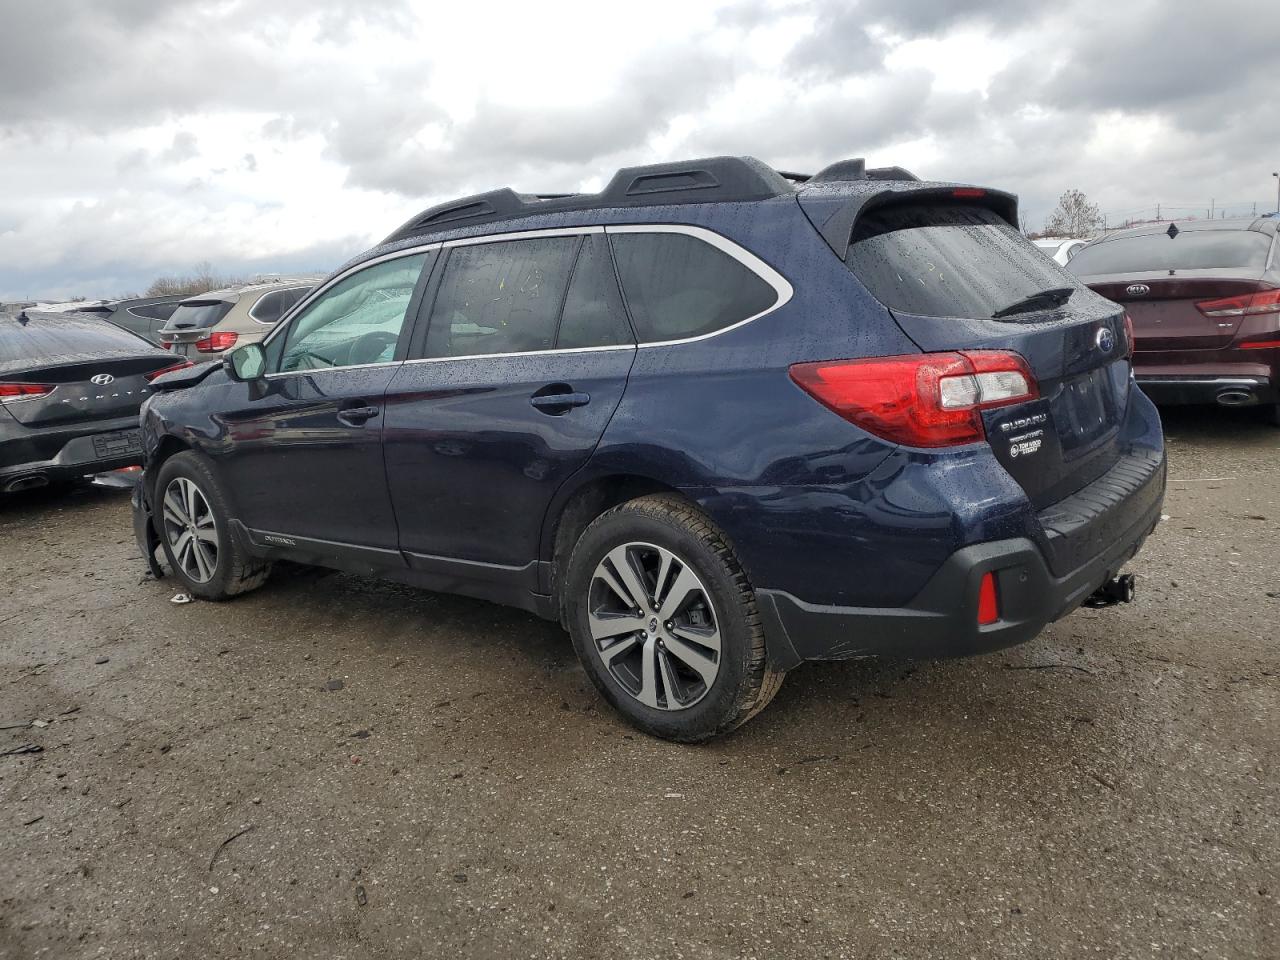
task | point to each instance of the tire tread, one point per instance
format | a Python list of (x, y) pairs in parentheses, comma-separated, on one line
[(244, 573), (762, 680)]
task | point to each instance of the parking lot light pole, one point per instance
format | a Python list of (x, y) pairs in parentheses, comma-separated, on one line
[(1277, 176)]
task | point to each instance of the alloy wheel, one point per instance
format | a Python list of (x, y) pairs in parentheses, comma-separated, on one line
[(191, 530), (654, 626)]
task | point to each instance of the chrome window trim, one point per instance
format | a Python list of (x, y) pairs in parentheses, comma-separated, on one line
[(524, 235), (781, 286)]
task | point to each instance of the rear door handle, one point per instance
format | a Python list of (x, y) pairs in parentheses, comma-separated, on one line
[(355, 416), (558, 398)]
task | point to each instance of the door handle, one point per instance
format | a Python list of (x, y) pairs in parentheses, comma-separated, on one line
[(558, 398), (355, 416)]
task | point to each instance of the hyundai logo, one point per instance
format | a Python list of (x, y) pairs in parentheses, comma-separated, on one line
[(1137, 289), (1106, 340), (102, 379)]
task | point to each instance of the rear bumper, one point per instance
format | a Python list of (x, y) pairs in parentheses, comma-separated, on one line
[(1227, 391), (942, 620), (28, 455), (1231, 377)]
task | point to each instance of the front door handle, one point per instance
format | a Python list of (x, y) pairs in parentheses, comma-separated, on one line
[(559, 398), (355, 416)]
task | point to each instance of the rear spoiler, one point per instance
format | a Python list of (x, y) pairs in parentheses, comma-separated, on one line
[(834, 214)]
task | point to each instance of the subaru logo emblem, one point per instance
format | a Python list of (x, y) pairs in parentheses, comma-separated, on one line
[(1137, 289), (1106, 340), (102, 379)]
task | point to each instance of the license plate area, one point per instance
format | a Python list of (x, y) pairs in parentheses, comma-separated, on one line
[(118, 443), (1085, 410)]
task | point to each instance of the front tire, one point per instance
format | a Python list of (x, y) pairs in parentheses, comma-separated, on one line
[(665, 622), (193, 519)]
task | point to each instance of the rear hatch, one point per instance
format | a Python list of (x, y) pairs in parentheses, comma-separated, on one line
[(191, 323), (958, 277), (1168, 281), (75, 370)]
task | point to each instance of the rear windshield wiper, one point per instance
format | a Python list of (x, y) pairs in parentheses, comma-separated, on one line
[(1045, 298)]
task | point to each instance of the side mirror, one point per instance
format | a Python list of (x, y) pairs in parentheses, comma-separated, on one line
[(246, 363)]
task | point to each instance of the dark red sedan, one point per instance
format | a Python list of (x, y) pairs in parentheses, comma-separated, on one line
[(1204, 299)]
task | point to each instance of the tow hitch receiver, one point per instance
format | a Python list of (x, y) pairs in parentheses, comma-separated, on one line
[(1119, 589)]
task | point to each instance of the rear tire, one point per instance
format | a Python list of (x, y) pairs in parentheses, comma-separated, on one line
[(686, 661), (193, 519)]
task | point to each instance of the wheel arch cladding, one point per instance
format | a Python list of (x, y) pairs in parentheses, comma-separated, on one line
[(578, 507)]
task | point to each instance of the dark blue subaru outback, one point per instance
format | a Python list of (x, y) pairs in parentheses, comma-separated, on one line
[(717, 420)]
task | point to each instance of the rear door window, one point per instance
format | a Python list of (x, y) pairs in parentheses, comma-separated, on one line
[(501, 297), (593, 313), (948, 260), (678, 286), (1186, 250)]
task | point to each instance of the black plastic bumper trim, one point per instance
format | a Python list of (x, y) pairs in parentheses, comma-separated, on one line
[(942, 621)]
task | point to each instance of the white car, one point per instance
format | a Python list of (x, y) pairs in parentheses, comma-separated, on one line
[(1060, 249)]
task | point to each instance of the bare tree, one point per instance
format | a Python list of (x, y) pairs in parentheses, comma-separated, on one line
[(1075, 216), (200, 280)]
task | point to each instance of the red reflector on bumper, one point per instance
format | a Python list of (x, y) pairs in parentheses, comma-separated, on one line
[(988, 602)]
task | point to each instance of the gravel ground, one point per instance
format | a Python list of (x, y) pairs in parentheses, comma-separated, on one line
[(344, 768)]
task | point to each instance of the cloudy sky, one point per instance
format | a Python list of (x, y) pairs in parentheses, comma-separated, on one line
[(141, 137)]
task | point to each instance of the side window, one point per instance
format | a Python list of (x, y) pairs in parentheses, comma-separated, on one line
[(358, 320), (269, 307), (290, 298), (679, 286), (593, 313), (500, 297), (154, 311)]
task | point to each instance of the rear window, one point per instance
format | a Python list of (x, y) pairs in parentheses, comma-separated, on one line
[(198, 315), (947, 260), (1188, 250), (63, 339), (678, 286)]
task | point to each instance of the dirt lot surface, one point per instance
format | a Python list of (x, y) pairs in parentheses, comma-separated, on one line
[(413, 775)]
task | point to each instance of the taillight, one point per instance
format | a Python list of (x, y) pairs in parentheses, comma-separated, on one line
[(988, 600), (222, 340), (921, 400), (1129, 338), (968, 192), (10, 392), (1246, 304), (169, 369)]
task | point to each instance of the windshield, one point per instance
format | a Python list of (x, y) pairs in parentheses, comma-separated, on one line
[(948, 260), (190, 316), (1187, 250)]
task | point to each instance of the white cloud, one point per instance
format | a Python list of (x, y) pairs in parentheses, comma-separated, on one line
[(143, 137)]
